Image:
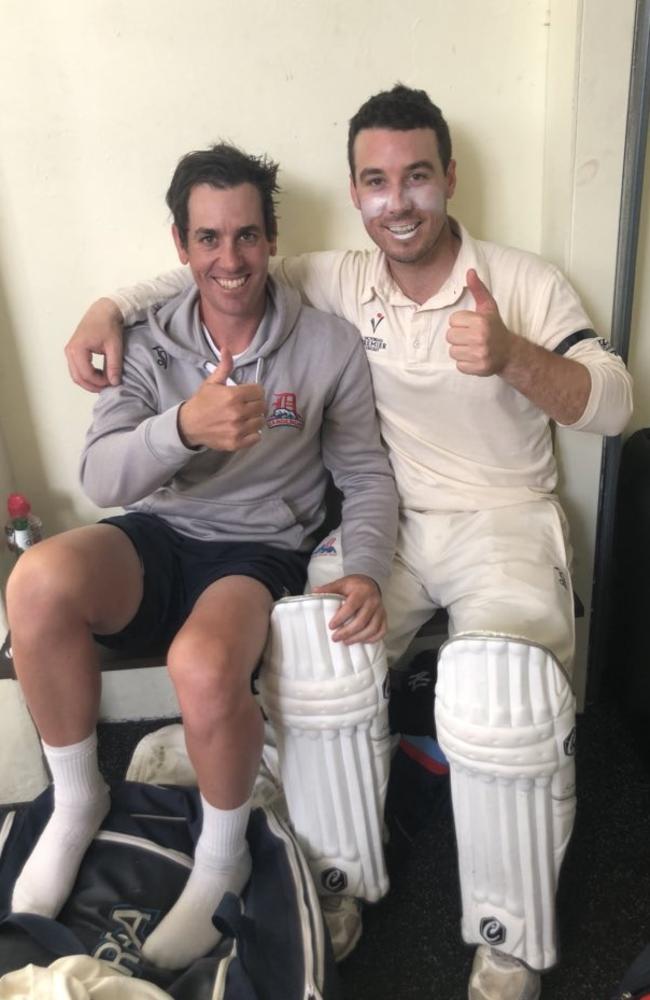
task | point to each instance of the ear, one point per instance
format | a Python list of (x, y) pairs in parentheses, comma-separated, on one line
[(180, 249), (273, 248), (451, 178), (354, 194)]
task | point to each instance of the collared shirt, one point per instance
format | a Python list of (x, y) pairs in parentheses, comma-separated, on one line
[(458, 441)]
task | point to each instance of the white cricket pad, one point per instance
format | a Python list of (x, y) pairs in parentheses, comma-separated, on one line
[(505, 718), (328, 705)]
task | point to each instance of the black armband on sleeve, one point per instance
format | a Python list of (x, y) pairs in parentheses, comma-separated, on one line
[(573, 338)]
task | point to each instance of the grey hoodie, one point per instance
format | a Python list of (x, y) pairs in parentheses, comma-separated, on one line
[(320, 416)]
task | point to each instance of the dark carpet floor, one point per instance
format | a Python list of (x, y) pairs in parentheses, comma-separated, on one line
[(411, 947)]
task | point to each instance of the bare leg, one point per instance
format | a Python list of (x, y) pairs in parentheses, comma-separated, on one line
[(59, 593), (211, 662)]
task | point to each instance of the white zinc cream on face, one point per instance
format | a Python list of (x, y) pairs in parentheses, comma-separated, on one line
[(372, 206), (424, 198)]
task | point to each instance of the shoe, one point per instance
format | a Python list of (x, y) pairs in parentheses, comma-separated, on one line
[(497, 976), (342, 916)]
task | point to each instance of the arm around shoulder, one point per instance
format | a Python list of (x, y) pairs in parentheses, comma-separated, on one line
[(326, 279), (100, 330)]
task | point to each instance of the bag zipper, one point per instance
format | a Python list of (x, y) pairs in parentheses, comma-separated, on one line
[(112, 836), (219, 989), (311, 929), (315, 907), (5, 829), (312, 932)]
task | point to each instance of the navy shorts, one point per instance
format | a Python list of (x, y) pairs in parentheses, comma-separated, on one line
[(177, 569)]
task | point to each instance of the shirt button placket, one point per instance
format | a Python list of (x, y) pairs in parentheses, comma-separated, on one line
[(418, 338)]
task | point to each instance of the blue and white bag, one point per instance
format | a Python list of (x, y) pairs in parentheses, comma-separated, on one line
[(274, 945)]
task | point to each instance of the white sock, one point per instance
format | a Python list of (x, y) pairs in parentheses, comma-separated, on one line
[(222, 863), (81, 801)]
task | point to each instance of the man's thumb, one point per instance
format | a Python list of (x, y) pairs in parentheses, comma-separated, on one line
[(221, 374), (482, 295)]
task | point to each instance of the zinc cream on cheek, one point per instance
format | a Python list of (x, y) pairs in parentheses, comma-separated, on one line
[(425, 198), (428, 199), (373, 206)]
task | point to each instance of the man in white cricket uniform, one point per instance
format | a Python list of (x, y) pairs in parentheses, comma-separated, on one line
[(474, 350)]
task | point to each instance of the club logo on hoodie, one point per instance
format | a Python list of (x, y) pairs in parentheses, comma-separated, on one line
[(284, 411), (162, 358)]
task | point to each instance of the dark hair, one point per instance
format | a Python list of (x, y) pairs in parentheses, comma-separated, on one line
[(223, 166), (401, 109)]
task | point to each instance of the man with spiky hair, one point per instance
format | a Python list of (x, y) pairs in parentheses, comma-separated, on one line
[(474, 349), (235, 402)]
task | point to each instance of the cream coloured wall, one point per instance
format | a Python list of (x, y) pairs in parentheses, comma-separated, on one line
[(582, 185), (101, 97)]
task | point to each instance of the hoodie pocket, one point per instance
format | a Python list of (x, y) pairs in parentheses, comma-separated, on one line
[(265, 516)]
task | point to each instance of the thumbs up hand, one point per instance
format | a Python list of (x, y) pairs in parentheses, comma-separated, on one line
[(223, 371), (220, 416), (480, 343)]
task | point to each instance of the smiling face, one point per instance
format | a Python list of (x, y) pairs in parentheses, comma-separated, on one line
[(227, 250), (401, 190)]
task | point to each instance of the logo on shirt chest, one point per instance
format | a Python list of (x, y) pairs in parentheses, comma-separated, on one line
[(284, 411), (375, 343)]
